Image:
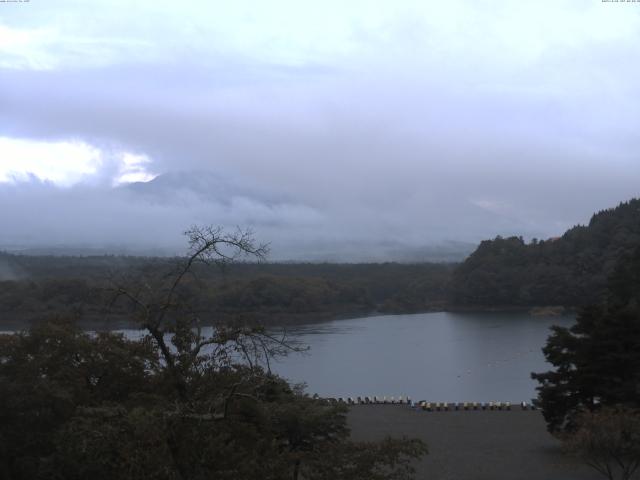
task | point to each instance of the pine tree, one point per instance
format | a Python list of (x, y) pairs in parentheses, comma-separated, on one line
[(597, 361)]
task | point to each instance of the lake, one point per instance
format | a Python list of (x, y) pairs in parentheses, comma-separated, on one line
[(452, 357), (440, 357)]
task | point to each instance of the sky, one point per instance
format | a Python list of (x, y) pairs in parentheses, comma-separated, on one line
[(335, 130)]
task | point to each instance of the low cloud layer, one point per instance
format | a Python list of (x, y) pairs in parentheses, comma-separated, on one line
[(386, 128)]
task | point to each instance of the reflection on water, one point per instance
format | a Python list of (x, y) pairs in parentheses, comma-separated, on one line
[(436, 356)]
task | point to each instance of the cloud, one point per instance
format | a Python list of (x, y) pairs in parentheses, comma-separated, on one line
[(62, 162), (49, 48), (22, 48), (66, 163), (133, 168), (327, 126), (142, 216)]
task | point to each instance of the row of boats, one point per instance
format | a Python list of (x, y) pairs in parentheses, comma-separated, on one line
[(372, 400), (437, 406), (432, 406)]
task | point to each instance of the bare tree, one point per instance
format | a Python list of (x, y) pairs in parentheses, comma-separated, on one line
[(185, 401), (162, 306), (608, 440)]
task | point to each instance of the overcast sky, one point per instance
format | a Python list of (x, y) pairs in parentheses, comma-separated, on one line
[(329, 127)]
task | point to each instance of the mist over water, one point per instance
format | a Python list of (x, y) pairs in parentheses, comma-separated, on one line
[(8, 271)]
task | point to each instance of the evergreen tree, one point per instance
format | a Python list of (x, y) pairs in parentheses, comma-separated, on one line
[(597, 361), (571, 270)]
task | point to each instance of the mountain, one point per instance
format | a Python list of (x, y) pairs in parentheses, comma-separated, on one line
[(206, 185), (571, 270)]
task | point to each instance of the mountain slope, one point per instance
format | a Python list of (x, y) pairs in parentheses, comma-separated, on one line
[(571, 270)]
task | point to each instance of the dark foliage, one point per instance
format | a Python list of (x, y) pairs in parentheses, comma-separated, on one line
[(78, 287), (608, 440), (76, 406), (571, 270), (597, 361), (180, 403)]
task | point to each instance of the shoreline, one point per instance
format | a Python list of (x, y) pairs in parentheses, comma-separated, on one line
[(288, 320)]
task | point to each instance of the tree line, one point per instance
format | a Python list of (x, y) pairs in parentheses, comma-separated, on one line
[(571, 270), (264, 292)]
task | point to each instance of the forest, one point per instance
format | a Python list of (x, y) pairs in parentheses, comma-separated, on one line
[(82, 287), (569, 271)]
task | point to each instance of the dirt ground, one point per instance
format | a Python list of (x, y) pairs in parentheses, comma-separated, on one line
[(473, 445)]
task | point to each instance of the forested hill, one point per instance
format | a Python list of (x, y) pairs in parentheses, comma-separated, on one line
[(571, 270), (35, 287)]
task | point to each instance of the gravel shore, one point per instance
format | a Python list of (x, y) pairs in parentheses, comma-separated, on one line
[(473, 445)]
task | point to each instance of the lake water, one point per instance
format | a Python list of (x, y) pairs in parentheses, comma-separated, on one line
[(440, 357), (453, 357)]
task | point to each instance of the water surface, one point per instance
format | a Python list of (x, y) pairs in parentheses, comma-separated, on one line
[(452, 357), (441, 356)]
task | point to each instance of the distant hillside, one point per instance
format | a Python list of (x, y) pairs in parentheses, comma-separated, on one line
[(570, 270), (34, 287)]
